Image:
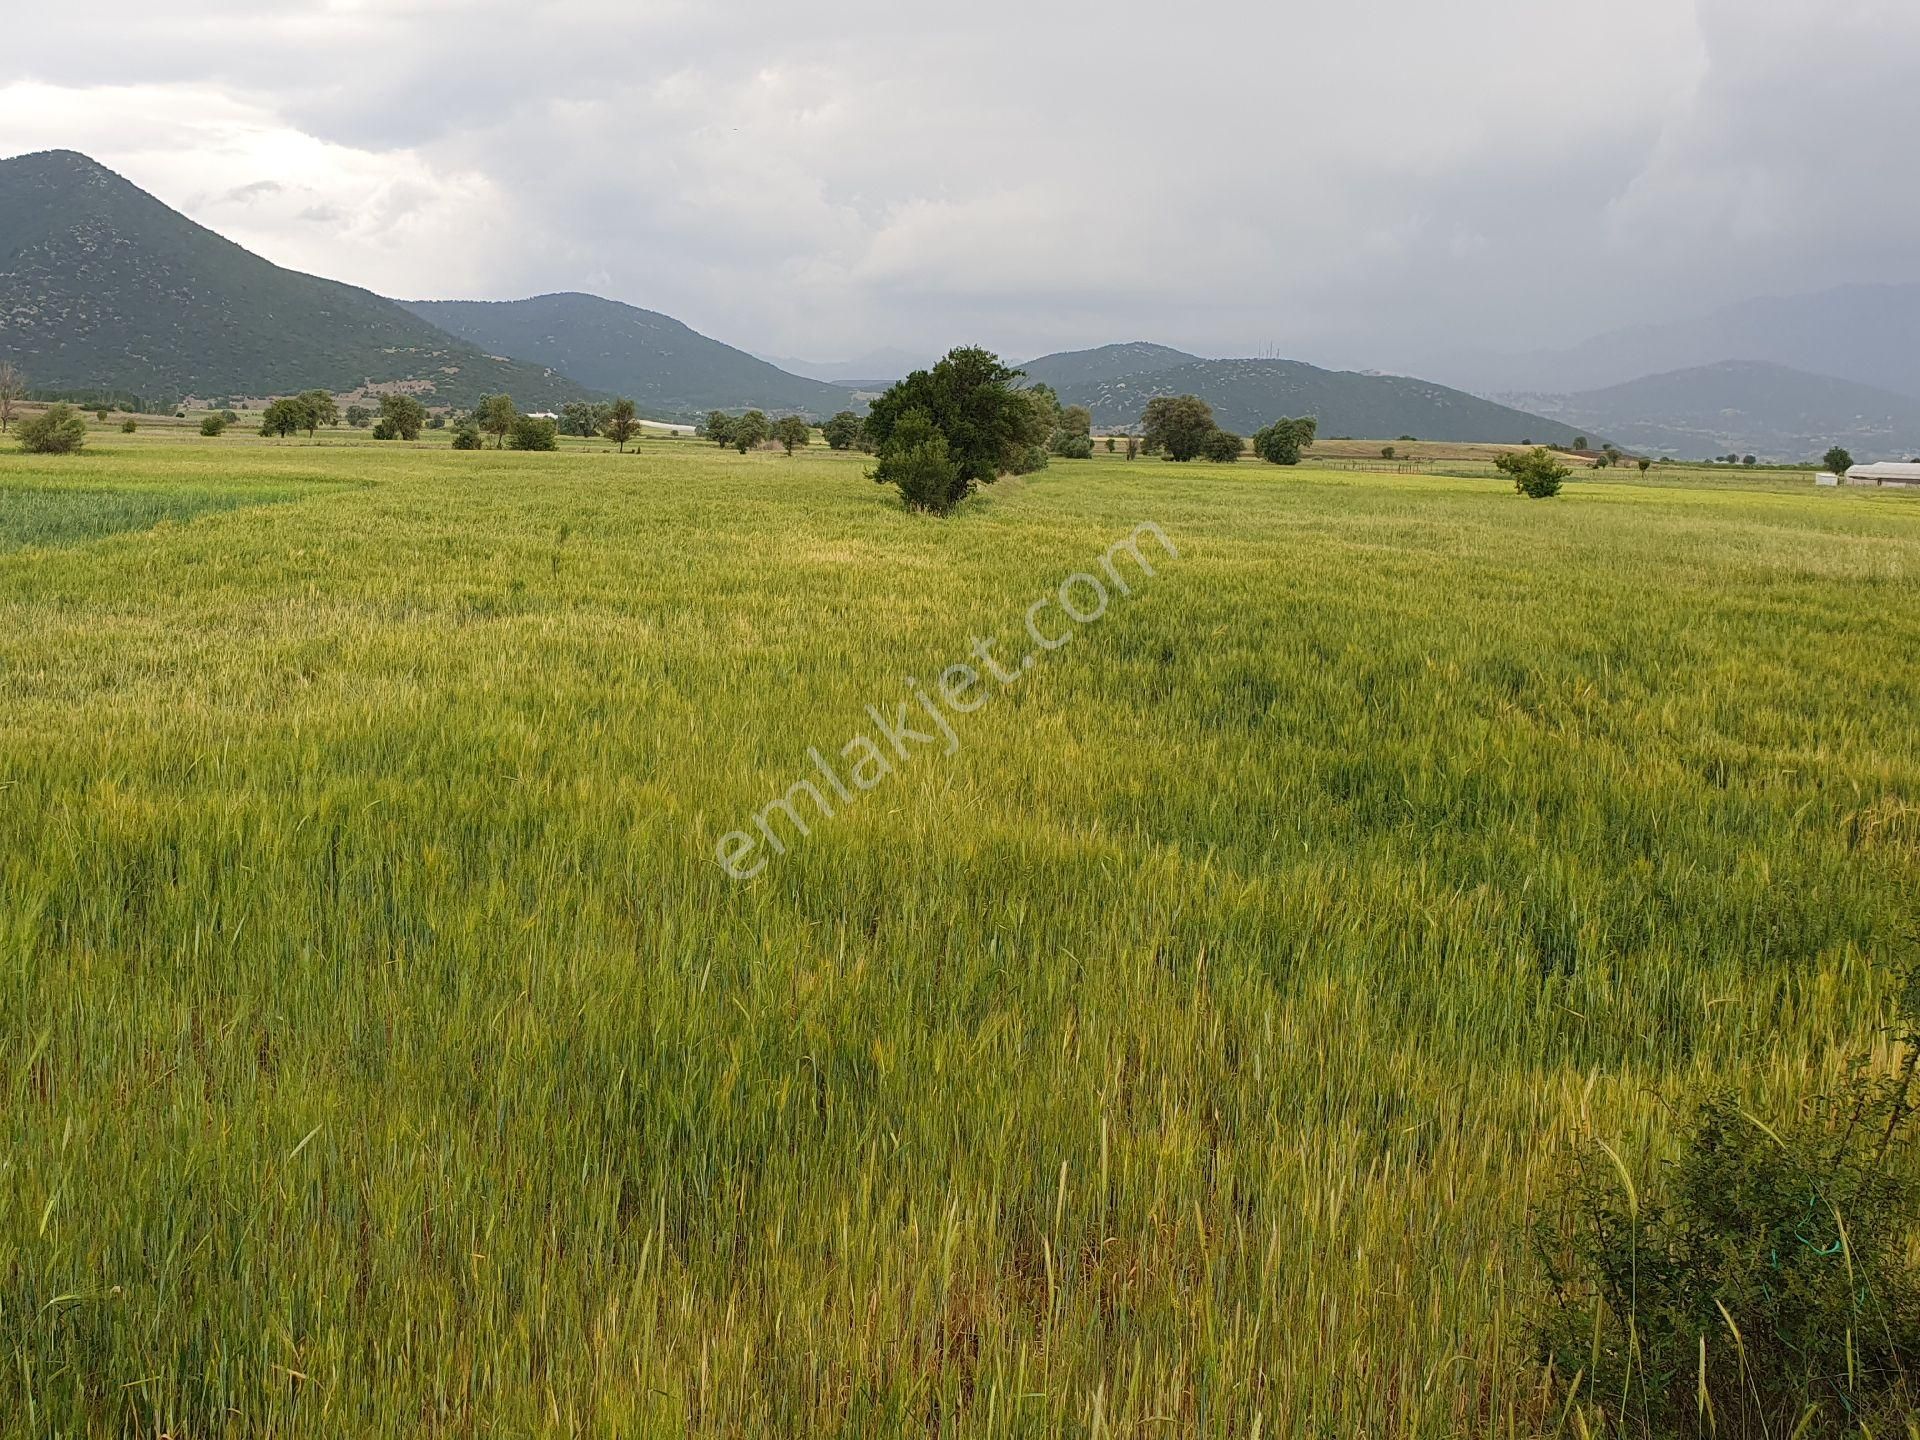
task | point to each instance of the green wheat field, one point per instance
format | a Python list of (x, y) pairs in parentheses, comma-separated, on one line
[(383, 1052)]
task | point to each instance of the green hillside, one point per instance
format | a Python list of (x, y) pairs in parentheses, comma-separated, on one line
[(1075, 368), (1247, 394), (104, 287), (669, 369)]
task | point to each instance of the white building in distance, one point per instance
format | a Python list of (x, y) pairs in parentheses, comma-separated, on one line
[(1887, 472)]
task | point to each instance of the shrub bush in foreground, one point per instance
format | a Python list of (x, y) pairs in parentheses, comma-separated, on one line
[(1762, 1286)]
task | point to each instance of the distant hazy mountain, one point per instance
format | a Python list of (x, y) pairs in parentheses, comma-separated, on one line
[(875, 370), (104, 287), (1247, 394), (1109, 362), (1869, 334), (1739, 405), (653, 359)]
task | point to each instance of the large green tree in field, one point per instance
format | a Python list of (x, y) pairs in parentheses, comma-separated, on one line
[(533, 432), (1222, 447), (621, 423), (986, 428), (718, 427), (751, 429), (282, 418), (1536, 473), (1177, 425), (402, 417), (792, 432), (579, 417), (843, 431), (495, 416), (1282, 442), (1839, 461), (317, 408)]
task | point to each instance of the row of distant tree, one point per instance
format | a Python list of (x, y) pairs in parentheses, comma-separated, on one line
[(1025, 428), (753, 429)]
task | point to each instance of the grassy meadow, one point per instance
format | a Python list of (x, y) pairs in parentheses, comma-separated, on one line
[(383, 1052)]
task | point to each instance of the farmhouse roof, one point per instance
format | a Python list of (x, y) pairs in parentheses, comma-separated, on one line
[(1886, 471)]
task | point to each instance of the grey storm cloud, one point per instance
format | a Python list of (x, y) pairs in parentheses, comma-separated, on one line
[(1363, 184)]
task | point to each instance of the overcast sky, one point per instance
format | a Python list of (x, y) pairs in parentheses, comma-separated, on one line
[(1353, 182)]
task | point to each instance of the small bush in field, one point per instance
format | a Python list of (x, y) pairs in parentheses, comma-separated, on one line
[(57, 430), (1536, 474)]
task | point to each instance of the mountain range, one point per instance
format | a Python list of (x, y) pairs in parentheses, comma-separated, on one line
[(667, 369), (103, 286), (1862, 333), (1744, 406), (1248, 394)]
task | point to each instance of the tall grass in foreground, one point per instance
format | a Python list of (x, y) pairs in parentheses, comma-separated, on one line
[(382, 1052)]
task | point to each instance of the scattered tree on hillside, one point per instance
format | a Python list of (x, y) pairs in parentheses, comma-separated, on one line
[(1579, 442), (359, 417), (495, 416), (942, 432), (1282, 442), (1536, 474), (1386, 452), (1838, 461), (533, 432), (1645, 464), (1177, 425), (750, 430), (129, 425), (793, 432), (718, 428), (621, 423), (57, 430), (13, 389), (843, 431)]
